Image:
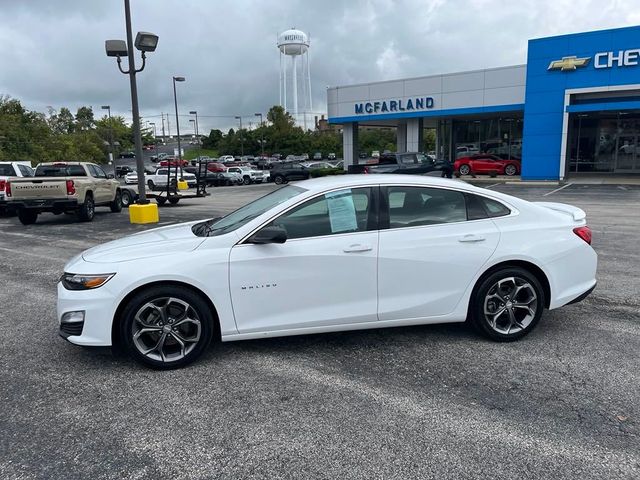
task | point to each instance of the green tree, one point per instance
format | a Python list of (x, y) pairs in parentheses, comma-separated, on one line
[(84, 119), (62, 122)]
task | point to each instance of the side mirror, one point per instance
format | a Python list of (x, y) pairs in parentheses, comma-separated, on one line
[(110, 175), (269, 235)]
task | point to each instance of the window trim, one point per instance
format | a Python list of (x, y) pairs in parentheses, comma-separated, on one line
[(373, 214)]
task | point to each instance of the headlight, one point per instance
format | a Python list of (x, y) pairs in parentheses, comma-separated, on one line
[(78, 281)]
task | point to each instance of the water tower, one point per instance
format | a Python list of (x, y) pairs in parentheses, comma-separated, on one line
[(295, 43)]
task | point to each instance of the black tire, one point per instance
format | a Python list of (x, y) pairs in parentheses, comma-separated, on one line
[(174, 201), (497, 293), (464, 169), (151, 185), (87, 210), (279, 179), (127, 198), (246, 180), (161, 201), (510, 170), (27, 217), (116, 205), (198, 310)]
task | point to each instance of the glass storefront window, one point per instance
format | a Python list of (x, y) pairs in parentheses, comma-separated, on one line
[(601, 142), (496, 136)]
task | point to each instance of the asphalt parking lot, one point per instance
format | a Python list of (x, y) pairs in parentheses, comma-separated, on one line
[(420, 402)]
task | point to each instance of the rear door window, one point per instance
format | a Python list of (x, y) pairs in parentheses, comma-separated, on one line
[(418, 206)]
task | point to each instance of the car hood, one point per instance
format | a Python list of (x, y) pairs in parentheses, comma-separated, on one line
[(151, 243)]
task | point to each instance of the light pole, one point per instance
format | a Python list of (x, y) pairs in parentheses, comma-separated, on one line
[(145, 42), (261, 134), (111, 153), (241, 137), (175, 102), (193, 112), (155, 136)]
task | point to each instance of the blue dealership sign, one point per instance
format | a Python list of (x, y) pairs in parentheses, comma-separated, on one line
[(591, 61)]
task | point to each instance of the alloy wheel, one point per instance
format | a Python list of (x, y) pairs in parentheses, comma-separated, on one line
[(510, 305), (166, 329), (510, 170), (464, 169)]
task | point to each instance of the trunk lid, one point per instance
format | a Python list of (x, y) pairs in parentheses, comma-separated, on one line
[(577, 214)]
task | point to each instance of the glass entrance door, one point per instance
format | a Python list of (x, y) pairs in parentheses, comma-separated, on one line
[(628, 160)]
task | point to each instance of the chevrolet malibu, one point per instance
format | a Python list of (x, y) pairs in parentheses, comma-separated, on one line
[(331, 254)]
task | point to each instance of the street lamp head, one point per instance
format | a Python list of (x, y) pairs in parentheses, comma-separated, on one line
[(178, 79), (105, 107), (258, 114), (115, 48), (146, 41), (193, 112), (237, 117)]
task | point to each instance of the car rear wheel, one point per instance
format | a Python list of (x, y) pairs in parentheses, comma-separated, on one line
[(507, 304), (464, 169), (246, 180), (27, 217), (116, 205), (166, 327), (279, 179), (126, 199), (87, 210), (510, 170)]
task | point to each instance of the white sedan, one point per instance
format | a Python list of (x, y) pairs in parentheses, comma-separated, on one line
[(331, 254), (131, 178)]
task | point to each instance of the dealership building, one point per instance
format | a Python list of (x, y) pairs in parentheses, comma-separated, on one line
[(573, 108)]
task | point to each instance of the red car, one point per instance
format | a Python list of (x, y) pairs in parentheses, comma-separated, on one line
[(216, 167), (485, 163), (173, 162)]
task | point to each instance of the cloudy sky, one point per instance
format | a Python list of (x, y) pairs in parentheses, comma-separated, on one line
[(52, 51)]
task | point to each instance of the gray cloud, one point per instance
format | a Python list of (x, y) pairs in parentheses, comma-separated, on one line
[(53, 51)]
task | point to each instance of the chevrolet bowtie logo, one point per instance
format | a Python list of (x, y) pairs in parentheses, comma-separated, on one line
[(569, 63)]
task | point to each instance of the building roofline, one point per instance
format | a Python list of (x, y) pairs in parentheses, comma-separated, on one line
[(426, 76)]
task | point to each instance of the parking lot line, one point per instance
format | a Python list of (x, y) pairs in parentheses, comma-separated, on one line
[(558, 189), (493, 185)]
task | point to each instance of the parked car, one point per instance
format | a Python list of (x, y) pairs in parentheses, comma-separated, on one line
[(221, 179), (414, 163), (63, 187), (317, 165), (426, 250), (331, 156), (12, 169), (127, 155), (317, 156), (485, 164), (122, 170), (173, 162), (216, 167), (149, 146), (466, 150), (251, 175), (159, 156), (131, 178), (159, 178), (288, 171), (375, 154), (339, 164), (226, 158)]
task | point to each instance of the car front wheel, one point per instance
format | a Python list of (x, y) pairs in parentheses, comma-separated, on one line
[(246, 180), (279, 179), (510, 170), (507, 304), (166, 327), (464, 169)]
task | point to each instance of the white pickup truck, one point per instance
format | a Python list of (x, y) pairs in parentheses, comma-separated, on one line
[(250, 174), (159, 178), (12, 169), (62, 187)]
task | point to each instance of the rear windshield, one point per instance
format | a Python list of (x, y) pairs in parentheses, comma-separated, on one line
[(60, 171), (6, 170)]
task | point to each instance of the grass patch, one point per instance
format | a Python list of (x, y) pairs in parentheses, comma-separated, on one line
[(197, 152)]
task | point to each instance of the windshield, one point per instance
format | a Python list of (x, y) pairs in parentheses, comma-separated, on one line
[(235, 220)]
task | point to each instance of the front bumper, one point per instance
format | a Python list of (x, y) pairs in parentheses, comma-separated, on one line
[(99, 308)]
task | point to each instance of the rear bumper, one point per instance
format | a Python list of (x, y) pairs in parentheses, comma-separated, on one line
[(581, 297), (42, 204)]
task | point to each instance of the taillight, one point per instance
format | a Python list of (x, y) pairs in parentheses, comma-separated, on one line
[(71, 187), (584, 233), (365, 170), (3, 184), (7, 189)]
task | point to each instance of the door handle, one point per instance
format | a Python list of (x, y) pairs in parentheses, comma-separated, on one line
[(471, 238), (357, 248)]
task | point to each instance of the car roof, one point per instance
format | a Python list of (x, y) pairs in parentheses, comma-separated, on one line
[(357, 180)]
